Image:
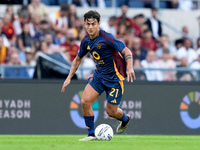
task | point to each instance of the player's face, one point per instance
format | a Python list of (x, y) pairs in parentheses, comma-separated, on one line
[(92, 27)]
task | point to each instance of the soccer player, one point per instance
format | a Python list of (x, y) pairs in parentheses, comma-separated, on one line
[(112, 59)]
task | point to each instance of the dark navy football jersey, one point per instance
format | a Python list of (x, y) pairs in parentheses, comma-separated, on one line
[(106, 51)]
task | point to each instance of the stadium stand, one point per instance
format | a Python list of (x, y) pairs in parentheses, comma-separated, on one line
[(41, 25)]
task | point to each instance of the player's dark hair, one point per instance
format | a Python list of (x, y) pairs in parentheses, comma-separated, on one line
[(92, 14)]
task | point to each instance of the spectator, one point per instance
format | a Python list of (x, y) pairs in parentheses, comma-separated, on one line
[(24, 39), (23, 18), (138, 21), (78, 26), (178, 44), (36, 7), (151, 63), (3, 51), (11, 50), (198, 44), (184, 75), (165, 44), (14, 59), (29, 61), (143, 28), (147, 40), (129, 37), (44, 29), (185, 33), (123, 19), (187, 51), (8, 29), (51, 47), (140, 75), (81, 35), (11, 72), (72, 16), (34, 24), (69, 46), (154, 24), (59, 21), (138, 51), (42, 49), (110, 25), (166, 62), (5, 40), (126, 34), (121, 31), (10, 11), (196, 65)]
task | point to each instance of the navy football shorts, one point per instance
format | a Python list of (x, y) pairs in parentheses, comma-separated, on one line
[(114, 90)]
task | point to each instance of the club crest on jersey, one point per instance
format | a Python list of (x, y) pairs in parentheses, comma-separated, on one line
[(99, 46)]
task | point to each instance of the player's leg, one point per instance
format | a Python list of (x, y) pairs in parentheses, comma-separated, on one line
[(114, 96), (88, 98), (115, 112)]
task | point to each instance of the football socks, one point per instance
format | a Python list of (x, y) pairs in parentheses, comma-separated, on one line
[(89, 122), (124, 118)]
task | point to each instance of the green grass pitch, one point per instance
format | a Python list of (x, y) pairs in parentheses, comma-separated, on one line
[(119, 142)]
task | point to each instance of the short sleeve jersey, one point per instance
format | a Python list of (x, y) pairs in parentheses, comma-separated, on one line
[(106, 51)]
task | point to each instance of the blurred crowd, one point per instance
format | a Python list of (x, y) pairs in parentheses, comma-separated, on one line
[(34, 30), (185, 5)]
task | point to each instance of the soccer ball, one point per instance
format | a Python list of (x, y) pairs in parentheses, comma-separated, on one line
[(104, 132)]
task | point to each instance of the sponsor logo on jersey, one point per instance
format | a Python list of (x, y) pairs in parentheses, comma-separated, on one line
[(96, 55)]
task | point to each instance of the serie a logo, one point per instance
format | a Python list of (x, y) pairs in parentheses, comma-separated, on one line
[(189, 110)]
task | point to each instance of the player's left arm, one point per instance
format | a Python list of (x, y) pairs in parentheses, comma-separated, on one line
[(129, 62)]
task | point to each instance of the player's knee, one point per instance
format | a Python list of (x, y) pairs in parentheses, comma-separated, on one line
[(85, 103)]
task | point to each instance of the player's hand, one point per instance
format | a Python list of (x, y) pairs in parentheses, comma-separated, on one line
[(131, 75), (65, 84)]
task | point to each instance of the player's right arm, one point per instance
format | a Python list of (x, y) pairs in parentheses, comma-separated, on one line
[(75, 64)]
